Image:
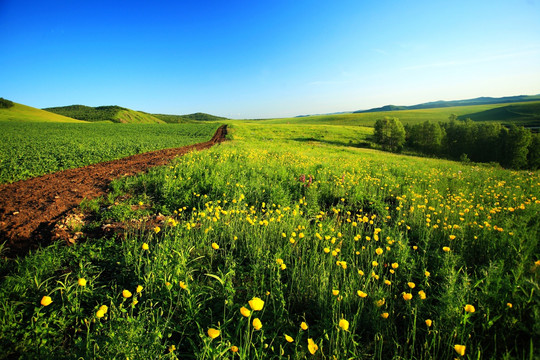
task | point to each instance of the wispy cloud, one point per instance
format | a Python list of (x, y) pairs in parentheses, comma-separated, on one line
[(445, 64)]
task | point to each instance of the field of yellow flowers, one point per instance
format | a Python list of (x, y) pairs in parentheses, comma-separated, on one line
[(290, 242)]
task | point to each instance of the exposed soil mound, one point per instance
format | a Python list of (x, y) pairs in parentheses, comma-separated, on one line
[(30, 208)]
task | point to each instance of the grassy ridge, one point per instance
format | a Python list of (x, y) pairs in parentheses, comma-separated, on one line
[(356, 254), (522, 114), (23, 113), (105, 113), (190, 118), (529, 109), (33, 149)]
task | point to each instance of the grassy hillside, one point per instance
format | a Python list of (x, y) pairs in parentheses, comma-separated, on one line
[(518, 114), (178, 119), (467, 102), (19, 112), (113, 113), (417, 116)]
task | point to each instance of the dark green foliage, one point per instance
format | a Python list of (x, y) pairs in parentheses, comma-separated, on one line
[(516, 146), (513, 147), (426, 137), (87, 113), (533, 157), (390, 134), (5, 104)]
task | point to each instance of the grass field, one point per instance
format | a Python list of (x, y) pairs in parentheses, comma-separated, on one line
[(529, 115), (293, 242), (29, 149)]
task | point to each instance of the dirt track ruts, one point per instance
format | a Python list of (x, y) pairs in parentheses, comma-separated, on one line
[(30, 208)]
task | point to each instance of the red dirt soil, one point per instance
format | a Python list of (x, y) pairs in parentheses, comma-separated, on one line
[(30, 208)]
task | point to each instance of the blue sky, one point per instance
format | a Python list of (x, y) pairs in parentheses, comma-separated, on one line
[(258, 59)]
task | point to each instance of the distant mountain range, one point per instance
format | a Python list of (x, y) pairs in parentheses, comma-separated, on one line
[(468, 102)]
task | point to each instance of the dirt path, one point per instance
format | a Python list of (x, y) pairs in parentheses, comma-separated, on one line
[(30, 208)]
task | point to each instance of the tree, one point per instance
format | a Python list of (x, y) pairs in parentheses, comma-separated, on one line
[(390, 134), (534, 152), (516, 147), (5, 103)]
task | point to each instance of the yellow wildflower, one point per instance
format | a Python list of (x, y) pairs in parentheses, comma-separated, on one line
[(257, 324), (234, 348), (395, 265), (213, 333), (407, 296), (46, 301), (215, 246), (379, 251), (429, 322), (469, 308), (183, 285), (157, 229), (304, 326), (288, 338), (335, 292), (422, 295), (256, 304), (446, 249), (460, 349), (312, 347), (82, 282), (245, 311), (344, 324), (145, 246), (126, 294), (139, 289), (384, 315), (411, 285), (361, 294)]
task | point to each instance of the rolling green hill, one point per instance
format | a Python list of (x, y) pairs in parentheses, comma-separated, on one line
[(441, 103), (178, 119), (526, 114), (529, 114), (23, 113), (113, 113)]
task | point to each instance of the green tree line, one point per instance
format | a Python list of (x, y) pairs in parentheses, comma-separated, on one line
[(87, 113), (512, 147), (5, 103)]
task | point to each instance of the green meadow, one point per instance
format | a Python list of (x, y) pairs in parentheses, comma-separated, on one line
[(290, 241)]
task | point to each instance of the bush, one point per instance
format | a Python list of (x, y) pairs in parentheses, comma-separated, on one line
[(5, 104)]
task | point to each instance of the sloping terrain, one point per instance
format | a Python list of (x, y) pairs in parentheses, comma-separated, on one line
[(468, 102), (527, 114), (112, 113), (19, 112), (178, 119)]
